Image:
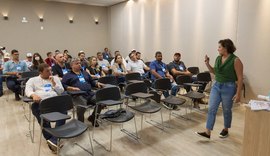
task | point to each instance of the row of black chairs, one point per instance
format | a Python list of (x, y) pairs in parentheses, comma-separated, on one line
[(135, 88)]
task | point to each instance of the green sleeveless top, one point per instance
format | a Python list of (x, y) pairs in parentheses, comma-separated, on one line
[(225, 72)]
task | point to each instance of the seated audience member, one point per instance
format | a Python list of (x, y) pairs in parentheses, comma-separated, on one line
[(60, 68), (138, 56), (119, 69), (107, 54), (94, 69), (103, 63), (177, 67), (39, 88), (128, 57), (135, 65), (14, 68), (29, 60), (84, 62), (159, 70), (123, 60), (50, 60), (67, 58), (78, 79), (37, 60)]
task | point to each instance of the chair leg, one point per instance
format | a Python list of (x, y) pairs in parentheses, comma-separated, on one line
[(40, 137), (111, 140), (95, 121), (162, 120), (141, 121), (58, 146), (136, 128), (91, 143)]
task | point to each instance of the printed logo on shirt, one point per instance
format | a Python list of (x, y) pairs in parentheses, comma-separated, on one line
[(47, 87)]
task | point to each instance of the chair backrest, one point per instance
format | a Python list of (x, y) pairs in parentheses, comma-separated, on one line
[(163, 84), (108, 80), (181, 79), (108, 93), (147, 63), (60, 103), (194, 70), (133, 76), (30, 74), (205, 76), (135, 88)]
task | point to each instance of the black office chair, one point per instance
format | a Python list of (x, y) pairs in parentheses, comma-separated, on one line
[(133, 77), (110, 96), (204, 79), (50, 108), (108, 80), (186, 82), (140, 90), (194, 70), (25, 76), (165, 85)]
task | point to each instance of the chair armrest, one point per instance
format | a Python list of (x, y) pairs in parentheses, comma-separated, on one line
[(22, 79), (75, 93), (142, 95), (109, 102), (54, 116), (27, 99), (192, 84)]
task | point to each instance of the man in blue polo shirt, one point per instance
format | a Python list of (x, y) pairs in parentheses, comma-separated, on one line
[(14, 68), (159, 70)]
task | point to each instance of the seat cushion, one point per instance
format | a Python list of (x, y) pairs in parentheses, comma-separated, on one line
[(71, 129), (174, 100), (147, 107)]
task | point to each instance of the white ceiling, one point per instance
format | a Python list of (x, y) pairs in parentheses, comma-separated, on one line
[(91, 2)]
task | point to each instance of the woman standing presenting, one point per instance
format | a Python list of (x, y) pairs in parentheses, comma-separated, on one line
[(228, 72)]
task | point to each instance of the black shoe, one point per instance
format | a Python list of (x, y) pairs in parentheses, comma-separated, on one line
[(1, 93), (52, 145), (17, 97), (91, 119), (223, 134), (203, 134)]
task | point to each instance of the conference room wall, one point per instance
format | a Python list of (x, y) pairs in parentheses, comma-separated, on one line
[(194, 28), (58, 33)]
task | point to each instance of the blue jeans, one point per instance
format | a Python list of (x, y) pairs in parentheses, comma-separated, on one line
[(221, 92), (14, 85)]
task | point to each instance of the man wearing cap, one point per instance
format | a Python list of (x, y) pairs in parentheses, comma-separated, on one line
[(177, 67), (28, 60), (14, 68)]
